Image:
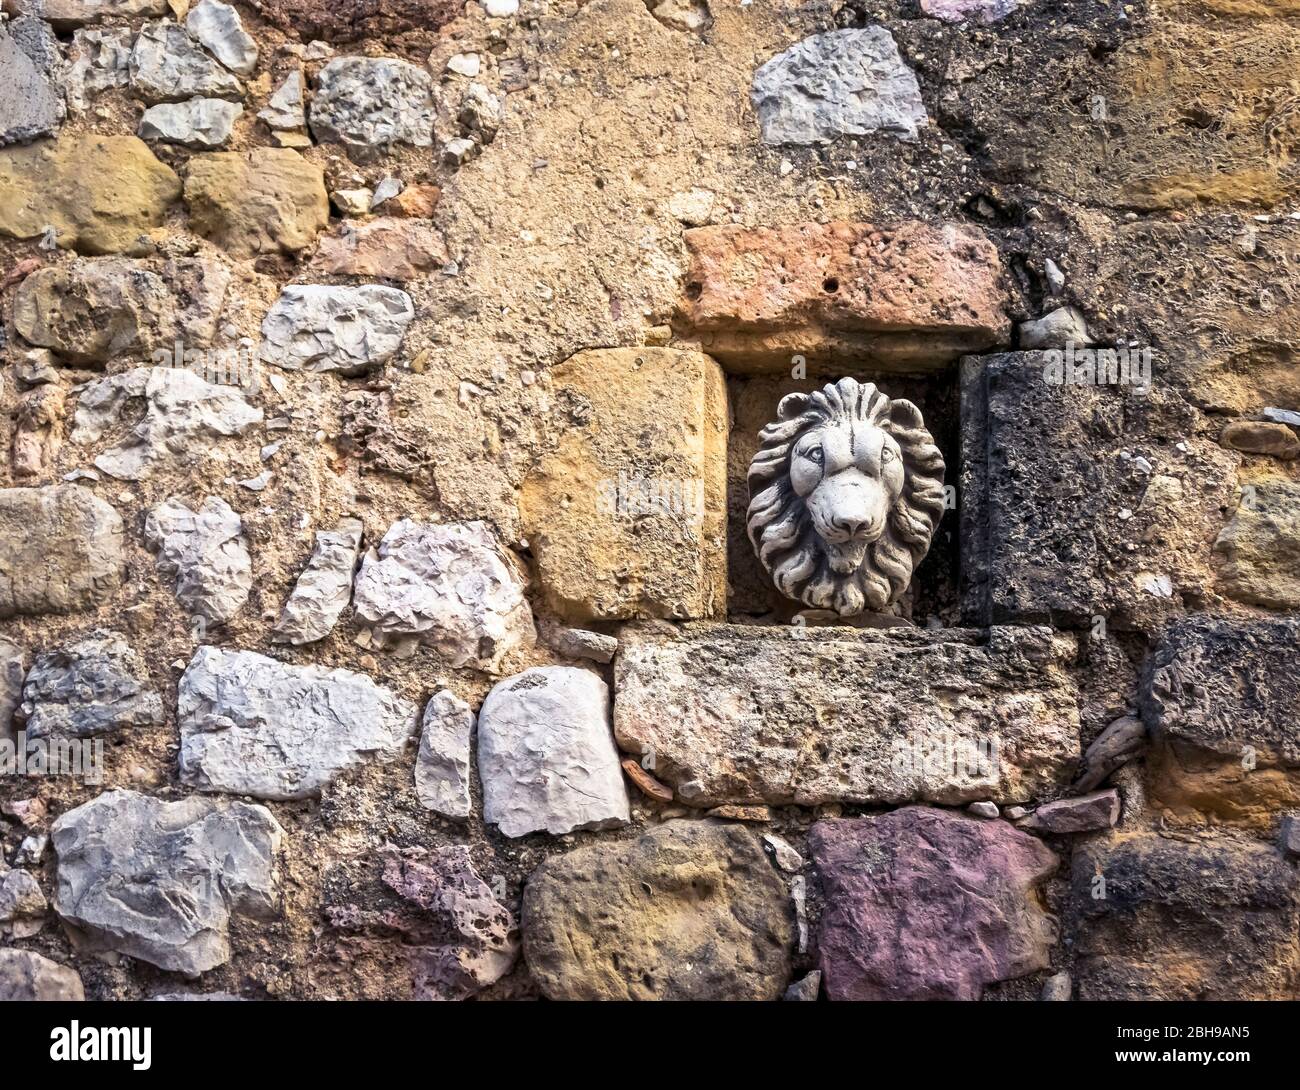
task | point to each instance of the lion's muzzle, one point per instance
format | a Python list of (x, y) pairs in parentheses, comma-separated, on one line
[(849, 511)]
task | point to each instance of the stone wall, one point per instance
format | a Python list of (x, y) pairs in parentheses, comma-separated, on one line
[(377, 617)]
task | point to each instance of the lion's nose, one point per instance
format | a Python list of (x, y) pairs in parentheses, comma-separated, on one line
[(850, 524)]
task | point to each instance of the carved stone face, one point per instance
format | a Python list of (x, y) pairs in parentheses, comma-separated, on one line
[(845, 493)]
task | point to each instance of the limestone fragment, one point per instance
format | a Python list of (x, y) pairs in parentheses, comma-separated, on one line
[(450, 587), (322, 327), (182, 414), (442, 764), (688, 910), (167, 65), (546, 756), (30, 106), (160, 881), (65, 14), (284, 111), (27, 977), (101, 60), (253, 726), (206, 553), (1063, 327), (969, 11), (60, 550), (842, 83), (324, 588), (1262, 437), (202, 123), (94, 686), (13, 669), (368, 104), (1084, 814), (218, 28)]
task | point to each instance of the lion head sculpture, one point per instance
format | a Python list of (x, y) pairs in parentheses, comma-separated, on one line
[(844, 495)]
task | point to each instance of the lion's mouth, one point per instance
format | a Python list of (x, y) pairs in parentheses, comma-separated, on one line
[(846, 556)]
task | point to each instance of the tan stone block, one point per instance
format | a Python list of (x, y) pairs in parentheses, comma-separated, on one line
[(1262, 546), (101, 194), (909, 297), (398, 249), (256, 202), (627, 516)]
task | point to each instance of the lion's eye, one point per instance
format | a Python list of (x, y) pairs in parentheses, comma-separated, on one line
[(815, 455), (886, 455)]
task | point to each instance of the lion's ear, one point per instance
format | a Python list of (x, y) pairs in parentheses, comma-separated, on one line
[(792, 406), (903, 414)]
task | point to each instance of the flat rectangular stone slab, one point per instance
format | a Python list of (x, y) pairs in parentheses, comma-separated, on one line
[(751, 715)]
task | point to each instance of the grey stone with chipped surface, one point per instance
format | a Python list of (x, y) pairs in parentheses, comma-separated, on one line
[(206, 552), (251, 725), (442, 763), (324, 588)]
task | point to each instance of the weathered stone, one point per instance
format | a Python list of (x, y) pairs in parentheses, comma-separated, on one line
[(1057, 988), (266, 201), (969, 11), (545, 754), (320, 327), (206, 553), (60, 550), (749, 715), (688, 910), (368, 104), (1288, 839), (26, 977), (94, 686), (160, 881), (65, 14), (324, 588), (202, 123), (100, 194), (253, 726), (845, 493), (1082, 501), (626, 517), (442, 764), (1261, 437), (782, 853), (479, 113), (1206, 918), (13, 669), (182, 414), (684, 15), (37, 433), (416, 201), (983, 810), (284, 111), (457, 937), (927, 904), (645, 783), (805, 989), (167, 65), (842, 83), (396, 249), (100, 60), (1119, 743), (91, 310), (29, 104), (578, 643), (1059, 329), (1084, 814), (22, 904), (1261, 546), (1219, 697), (198, 285), (351, 20), (912, 297), (218, 28), (450, 587)]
